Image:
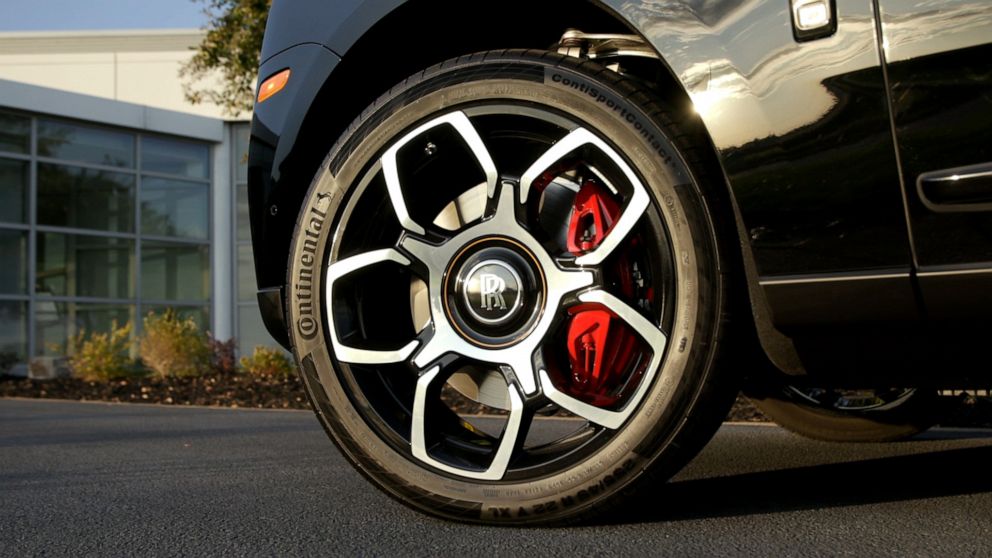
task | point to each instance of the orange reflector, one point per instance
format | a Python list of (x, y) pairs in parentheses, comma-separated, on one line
[(273, 85)]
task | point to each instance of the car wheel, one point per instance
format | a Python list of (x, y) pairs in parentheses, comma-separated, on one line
[(862, 415), (530, 235)]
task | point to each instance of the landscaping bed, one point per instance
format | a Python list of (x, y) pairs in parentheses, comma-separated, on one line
[(234, 390), (286, 392)]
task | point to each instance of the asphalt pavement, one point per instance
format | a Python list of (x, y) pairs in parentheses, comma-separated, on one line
[(101, 479)]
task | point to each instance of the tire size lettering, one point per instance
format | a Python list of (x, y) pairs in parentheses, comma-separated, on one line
[(564, 502)]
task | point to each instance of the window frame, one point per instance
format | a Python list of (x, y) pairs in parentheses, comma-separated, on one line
[(136, 303)]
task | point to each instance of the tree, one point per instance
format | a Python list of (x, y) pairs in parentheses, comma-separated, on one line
[(231, 47)]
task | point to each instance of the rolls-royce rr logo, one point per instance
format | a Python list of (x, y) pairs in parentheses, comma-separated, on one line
[(491, 292)]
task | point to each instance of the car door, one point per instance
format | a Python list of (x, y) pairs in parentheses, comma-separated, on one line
[(938, 56)]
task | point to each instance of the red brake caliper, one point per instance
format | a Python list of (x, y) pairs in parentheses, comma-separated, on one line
[(600, 347), (594, 215)]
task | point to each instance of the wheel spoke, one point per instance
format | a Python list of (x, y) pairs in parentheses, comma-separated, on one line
[(574, 140), (508, 441), (504, 208), (467, 131), (632, 212), (523, 370), (441, 343), (353, 355), (644, 328)]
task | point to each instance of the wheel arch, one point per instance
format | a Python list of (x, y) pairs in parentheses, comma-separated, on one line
[(411, 37)]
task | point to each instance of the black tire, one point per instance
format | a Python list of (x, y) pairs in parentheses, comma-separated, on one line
[(371, 410), (905, 414)]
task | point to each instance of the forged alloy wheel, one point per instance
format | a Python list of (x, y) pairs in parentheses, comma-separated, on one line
[(491, 234)]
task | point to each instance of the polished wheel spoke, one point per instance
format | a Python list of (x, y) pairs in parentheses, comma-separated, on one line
[(574, 140), (467, 131), (355, 355), (632, 212), (644, 328), (507, 443), (517, 359)]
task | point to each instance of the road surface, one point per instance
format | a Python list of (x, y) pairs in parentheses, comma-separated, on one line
[(85, 478)]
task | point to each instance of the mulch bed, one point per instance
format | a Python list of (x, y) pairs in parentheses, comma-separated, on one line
[(266, 392), (235, 390)]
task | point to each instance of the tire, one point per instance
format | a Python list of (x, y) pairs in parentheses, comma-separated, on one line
[(399, 304), (875, 416)]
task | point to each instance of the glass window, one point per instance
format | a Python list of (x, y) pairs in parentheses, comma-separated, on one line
[(13, 190), (241, 136), (15, 133), (85, 198), (61, 140), (251, 330), (241, 215), (172, 271), (174, 208), (82, 265), (246, 274), (199, 314), (13, 334), (14, 258), (57, 322), (183, 158)]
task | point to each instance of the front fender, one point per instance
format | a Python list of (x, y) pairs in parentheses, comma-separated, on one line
[(279, 170), (337, 24)]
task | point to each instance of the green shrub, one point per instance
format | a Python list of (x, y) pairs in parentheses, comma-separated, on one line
[(102, 356), (171, 346), (266, 361)]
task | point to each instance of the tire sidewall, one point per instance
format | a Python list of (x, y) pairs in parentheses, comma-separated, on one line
[(650, 430)]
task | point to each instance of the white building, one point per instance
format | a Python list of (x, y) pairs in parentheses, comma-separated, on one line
[(117, 197)]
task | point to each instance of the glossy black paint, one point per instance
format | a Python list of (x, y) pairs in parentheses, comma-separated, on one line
[(336, 25), (842, 300), (802, 126), (939, 62), (802, 131), (940, 70), (277, 178)]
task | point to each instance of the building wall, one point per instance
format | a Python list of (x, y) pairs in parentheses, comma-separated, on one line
[(194, 255), (248, 327), (135, 66), (110, 210)]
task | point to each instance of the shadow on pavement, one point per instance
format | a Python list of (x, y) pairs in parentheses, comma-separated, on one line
[(891, 479)]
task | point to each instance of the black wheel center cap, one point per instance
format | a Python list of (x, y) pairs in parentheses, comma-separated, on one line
[(494, 292)]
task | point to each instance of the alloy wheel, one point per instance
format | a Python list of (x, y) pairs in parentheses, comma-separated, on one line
[(503, 250)]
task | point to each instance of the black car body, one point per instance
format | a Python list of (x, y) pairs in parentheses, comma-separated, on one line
[(857, 157)]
